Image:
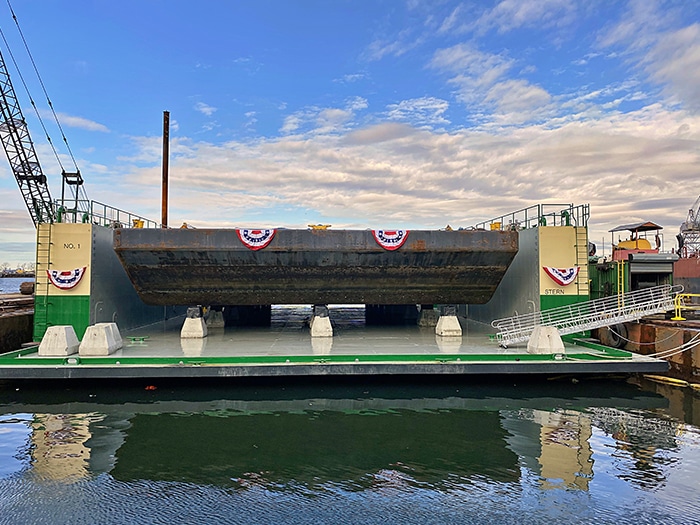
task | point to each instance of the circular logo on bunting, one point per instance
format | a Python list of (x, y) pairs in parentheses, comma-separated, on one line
[(390, 239), (66, 280), (256, 239)]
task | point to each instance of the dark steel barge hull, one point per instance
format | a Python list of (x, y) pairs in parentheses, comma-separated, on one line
[(213, 267)]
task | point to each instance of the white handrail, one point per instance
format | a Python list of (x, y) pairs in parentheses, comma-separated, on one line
[(588, 315)]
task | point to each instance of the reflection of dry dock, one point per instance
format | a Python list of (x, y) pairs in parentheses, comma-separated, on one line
[(286, 349)]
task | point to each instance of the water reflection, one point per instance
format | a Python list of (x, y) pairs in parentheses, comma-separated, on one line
[(356, 439), (553, 444)]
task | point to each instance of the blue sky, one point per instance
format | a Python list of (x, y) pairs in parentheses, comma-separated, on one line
[(384, 114)]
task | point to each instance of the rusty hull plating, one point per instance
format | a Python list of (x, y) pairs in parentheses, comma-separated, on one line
[(213, 267)]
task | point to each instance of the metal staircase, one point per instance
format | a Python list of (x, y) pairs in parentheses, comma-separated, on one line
[(588, 315)]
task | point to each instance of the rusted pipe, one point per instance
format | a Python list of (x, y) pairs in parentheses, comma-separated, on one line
[(166, 154)]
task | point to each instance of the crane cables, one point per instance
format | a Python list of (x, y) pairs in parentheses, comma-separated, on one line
[(80, 193)]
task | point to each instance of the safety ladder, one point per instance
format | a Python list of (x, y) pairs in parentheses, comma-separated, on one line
[(581, 248), (41, 286), (588, 315), (620, 266)]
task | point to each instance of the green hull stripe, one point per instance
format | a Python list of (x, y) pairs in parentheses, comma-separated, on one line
[(28, 357), (60, 310), (553, 301)]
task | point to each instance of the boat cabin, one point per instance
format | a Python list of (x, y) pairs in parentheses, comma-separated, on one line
[(637, 241)]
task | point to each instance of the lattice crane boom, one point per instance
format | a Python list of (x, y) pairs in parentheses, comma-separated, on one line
[(689, 236), (693, 220), (21, 154)]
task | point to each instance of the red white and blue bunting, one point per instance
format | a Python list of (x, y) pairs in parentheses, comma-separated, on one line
[(256, 239), (562, 276), (390, 239), (66, 280)]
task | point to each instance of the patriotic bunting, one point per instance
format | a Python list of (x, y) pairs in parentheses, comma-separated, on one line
[(256, 239), (562, 276), (390, 239), (66, 280)]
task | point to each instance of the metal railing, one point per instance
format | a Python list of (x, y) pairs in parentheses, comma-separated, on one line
[(539, 215), (99, 213), (588, 315), (684, 301)]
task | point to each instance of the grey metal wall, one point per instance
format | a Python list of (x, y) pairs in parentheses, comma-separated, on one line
[(519, 291), (113, 298)]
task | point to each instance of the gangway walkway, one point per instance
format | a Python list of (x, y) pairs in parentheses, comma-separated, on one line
[(588, 315)]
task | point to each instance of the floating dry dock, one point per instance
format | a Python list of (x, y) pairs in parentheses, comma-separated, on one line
[(286, 350)]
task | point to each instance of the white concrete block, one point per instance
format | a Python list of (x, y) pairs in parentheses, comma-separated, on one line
[(99, 340), (428, 318), (115, 333), (59, 341), (216, 319), (321, 326), (193, 328), (545, 340), (448, 326)]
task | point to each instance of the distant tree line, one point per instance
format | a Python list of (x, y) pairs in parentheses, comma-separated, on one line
[(26, 269)]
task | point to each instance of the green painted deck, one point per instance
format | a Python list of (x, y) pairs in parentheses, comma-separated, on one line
[(287, 349)]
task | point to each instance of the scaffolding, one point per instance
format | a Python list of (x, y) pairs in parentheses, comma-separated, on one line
[(588, 315)]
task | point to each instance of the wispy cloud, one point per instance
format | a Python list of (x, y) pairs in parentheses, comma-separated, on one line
[(205, 109), (429, 111), (73, 121)]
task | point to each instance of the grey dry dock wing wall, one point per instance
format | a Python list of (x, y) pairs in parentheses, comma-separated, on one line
[(519, 291), (113, 297)]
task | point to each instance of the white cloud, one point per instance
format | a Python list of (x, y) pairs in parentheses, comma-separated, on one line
[(654, 40), (356, 103), (511, 14), (482, 85), (350, 78), (420, 111), (675, 62), (72, 121), (205, 109), (317, 120), (404, 42)]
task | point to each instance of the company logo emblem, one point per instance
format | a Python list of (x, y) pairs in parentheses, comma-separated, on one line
[(256, 239), (390, 239)]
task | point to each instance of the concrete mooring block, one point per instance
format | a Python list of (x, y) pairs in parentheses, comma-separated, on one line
[(59, 341), (428, 317), (320, 323), (448, 326), (545, 340), (216, 319), (193, 328), (100, 340)]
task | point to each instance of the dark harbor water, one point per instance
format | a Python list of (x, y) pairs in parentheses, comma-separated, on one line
[(596, 451)]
